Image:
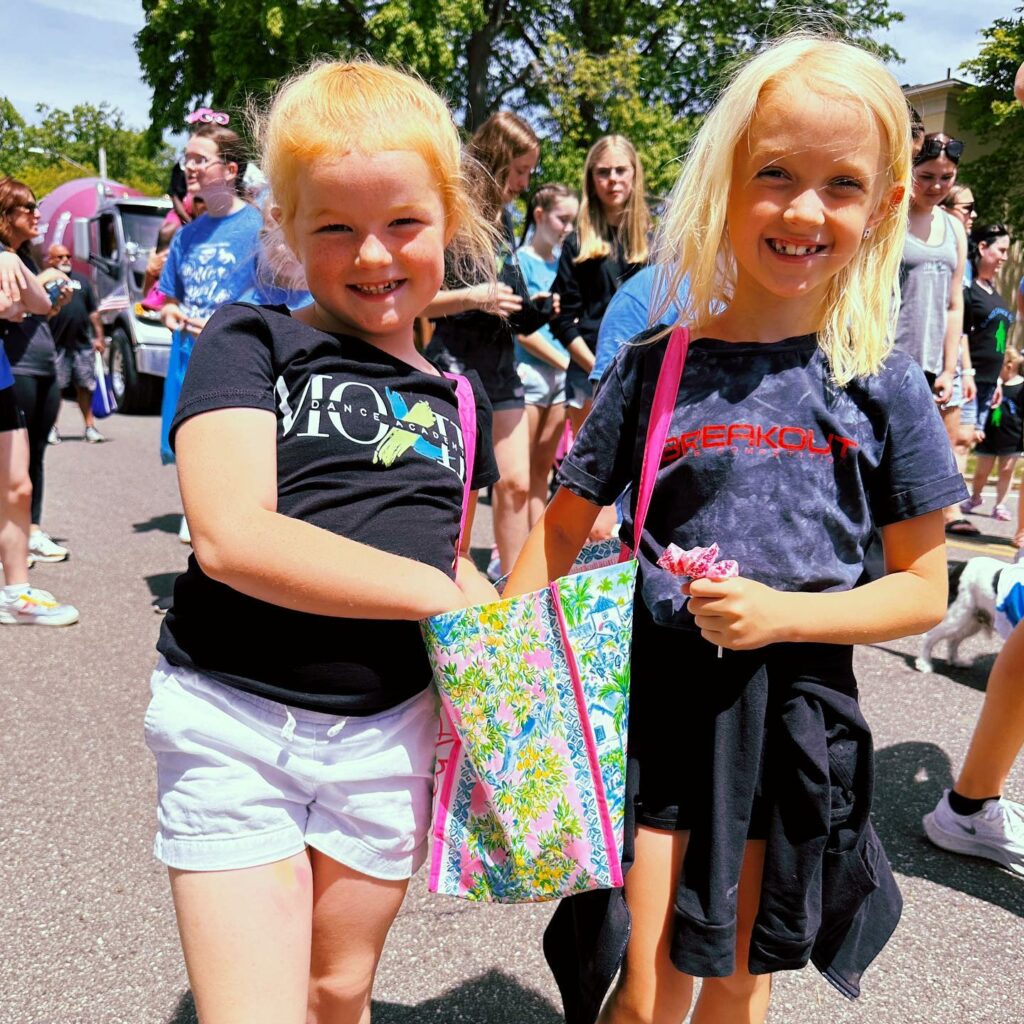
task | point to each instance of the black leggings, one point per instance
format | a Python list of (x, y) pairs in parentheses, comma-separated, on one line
[(39, 401)]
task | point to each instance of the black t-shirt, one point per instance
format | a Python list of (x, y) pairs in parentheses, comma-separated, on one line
[(342, 465), (987, 323), (785, 471), (584, 291), (71, 327)]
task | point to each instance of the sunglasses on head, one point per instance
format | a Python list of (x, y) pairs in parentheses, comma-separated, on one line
[(935, 146)]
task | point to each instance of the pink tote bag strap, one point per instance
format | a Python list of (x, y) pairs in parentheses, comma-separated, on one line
[(467, 420), (665, 393)]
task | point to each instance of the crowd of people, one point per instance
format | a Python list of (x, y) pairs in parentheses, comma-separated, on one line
[(362, 351)]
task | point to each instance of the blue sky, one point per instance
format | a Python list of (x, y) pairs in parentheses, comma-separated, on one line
[(61, 55)]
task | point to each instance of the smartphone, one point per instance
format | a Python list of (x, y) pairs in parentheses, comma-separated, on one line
[(54, 288)]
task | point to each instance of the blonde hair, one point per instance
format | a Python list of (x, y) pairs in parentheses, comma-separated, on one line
[(502, 138), (595, 233), (862, 303), (339, 107)]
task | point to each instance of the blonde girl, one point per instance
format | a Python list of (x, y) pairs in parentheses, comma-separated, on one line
[(477, 325), (322, 462), (610, 244), (540, 358), (796, 432)]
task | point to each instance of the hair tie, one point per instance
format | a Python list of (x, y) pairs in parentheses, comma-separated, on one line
[(207, 116)]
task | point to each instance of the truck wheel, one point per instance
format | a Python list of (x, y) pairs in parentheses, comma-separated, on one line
[(135, 392)]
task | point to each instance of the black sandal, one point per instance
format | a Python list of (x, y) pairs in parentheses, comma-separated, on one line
[(962, 528)]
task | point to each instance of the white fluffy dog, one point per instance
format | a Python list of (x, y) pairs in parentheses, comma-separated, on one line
[(972, 607)]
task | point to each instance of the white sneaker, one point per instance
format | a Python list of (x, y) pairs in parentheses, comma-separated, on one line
[(33, 607), (44, 549), (93, 436), (54, 436), (995, 832), (184, 534)]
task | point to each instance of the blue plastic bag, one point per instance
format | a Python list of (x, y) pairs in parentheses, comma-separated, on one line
[(103, 401)]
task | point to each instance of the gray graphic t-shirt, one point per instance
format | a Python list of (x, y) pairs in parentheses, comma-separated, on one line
[(787, 472)]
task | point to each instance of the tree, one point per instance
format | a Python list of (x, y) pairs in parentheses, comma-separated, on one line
[(649, 65), (63, 139), (993, 113)]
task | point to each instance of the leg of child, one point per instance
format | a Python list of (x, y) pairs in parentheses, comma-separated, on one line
[(982, 468), (742, 998), (1006, 465), (1018, 537), (650, 989), (999, 733), (511, 492), (15, 505), (352, 914), (546, 425), (246, 939)]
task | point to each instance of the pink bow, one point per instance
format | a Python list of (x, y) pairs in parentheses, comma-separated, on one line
[(207, 116), (698, 563)]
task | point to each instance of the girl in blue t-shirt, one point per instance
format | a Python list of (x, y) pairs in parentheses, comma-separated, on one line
[(324, 469), (795, 433), (541, 360)]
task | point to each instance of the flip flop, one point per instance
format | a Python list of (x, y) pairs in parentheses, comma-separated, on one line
[(962, 528)]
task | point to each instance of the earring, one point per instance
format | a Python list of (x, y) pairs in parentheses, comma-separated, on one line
[(867, 233)]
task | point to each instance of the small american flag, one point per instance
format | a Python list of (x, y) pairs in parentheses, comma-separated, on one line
[(115, 301)]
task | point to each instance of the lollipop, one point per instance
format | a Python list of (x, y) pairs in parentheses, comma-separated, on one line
[(698, 564)]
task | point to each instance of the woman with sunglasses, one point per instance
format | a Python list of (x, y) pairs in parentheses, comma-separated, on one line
[(32, 354), (931, 280)]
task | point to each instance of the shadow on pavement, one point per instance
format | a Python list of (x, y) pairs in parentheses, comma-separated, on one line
[(169, 523), (909, 779), (974, 675), (494, 998)]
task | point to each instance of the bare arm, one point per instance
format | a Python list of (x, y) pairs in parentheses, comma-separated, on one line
[(227, 471), (99, 342), (498, 299), (580, 353), (553, 543), (537, 345), (911, 598), (954, 316)]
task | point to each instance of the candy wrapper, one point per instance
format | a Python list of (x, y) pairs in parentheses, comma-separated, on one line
[(698, 564)]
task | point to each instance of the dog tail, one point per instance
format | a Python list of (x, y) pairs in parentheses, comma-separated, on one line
[(955, 572)]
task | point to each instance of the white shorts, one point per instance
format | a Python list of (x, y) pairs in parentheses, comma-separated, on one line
[(243, 780)]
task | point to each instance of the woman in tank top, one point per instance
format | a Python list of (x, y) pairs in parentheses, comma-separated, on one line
[(931, 282)]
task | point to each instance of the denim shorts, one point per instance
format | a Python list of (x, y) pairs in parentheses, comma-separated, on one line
[(244, 781), (544, 383), (76, 366), (579, 388)]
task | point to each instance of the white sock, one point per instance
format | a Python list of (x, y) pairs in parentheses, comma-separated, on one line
[(14, 589)]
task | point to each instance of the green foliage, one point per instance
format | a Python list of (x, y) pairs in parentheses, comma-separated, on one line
[(69, 138), (577, 68), (994, 115)]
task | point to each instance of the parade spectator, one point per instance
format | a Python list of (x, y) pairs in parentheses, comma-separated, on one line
[(609, 245), (476, 327), (77, 333), (33, 356), (211, 261), (21, 295), (1003, 442), (930, 320), (541, 360), (988, 320)]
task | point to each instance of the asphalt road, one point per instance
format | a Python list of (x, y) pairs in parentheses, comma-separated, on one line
[(86, 927)]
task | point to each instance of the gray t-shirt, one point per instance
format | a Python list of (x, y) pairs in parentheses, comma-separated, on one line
[(926, 276), (788, 473), (29, 344)]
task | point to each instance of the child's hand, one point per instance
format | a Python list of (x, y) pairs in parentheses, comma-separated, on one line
[(738, 613), (477, 587)]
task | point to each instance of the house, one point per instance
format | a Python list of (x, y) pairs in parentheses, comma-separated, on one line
[(937, 103)]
